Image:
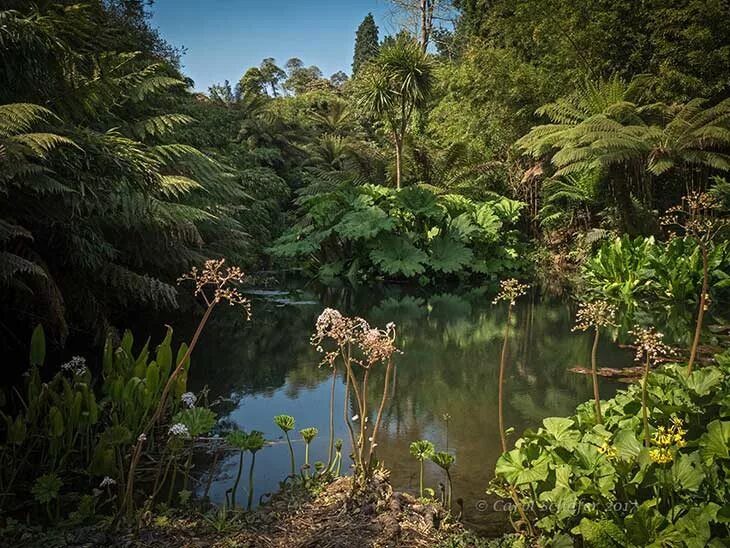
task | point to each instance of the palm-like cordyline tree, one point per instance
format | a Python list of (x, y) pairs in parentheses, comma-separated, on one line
[(393, 86)]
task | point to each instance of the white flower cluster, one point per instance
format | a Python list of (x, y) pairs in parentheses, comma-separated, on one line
[(189, 399), (77, 366), (180, 430), (107, 482)]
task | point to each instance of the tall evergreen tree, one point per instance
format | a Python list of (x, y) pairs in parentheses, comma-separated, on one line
[(366, 43)]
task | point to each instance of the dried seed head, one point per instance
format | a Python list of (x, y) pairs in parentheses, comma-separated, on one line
[(698, 216), (372, 345), (595, 314), (214, 283), (649, 344), (510, 290)]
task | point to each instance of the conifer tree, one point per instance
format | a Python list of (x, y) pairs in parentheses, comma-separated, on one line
[(366, 43)]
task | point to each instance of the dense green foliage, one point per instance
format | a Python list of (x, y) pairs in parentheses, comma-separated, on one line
[(77, 428), (654, 282), (105, 201), (370, 230), (597, 483), (598, 117)]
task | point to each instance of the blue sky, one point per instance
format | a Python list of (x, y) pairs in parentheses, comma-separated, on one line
[(225, 37)]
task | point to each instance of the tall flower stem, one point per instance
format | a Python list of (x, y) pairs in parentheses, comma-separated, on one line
[(701, 311), (381, 408), (291, 456), (250, 481), (238, 479), (594, 375), (500, 394), (644, 404), (331, 443)]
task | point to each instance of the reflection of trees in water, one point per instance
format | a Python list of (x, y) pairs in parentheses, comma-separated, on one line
[(450, 361)]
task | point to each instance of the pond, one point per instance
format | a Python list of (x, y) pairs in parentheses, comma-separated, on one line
[(445, 381)]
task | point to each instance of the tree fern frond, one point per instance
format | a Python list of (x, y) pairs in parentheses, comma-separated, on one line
[(40, 144), (176, 186), (12, 265)]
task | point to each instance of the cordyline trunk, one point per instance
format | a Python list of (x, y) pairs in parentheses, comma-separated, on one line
[(427, 7), (398, 156), (701, 311)]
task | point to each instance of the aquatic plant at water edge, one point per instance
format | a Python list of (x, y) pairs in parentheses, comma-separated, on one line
[(599, 485), (237, 439), (421, 450), (444, 460), (83, 428), (510, 291), (254, 444), (368, 232), (359, 348), (287, 424), (699, 217), (595, 314), (308, 434), (214, 283)]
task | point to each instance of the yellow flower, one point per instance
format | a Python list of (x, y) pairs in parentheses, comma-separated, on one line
[(661, 456), (608, 450)]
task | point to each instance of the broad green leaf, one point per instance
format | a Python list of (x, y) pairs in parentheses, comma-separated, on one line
[(511, 467), (560, 428), (702, 381), (626, 444), (364, 223), (38, 346), (488, 220), (399, 256), (449, 255), (714, 443), (687, 472), (199, 420)]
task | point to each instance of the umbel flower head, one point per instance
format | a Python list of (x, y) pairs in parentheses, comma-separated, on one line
[(76, 366), (649, 344), (189, 399), (374, 345), (697, 215), (594, 314), (308, 434), (509, 290), (179, 430), (213, 283)]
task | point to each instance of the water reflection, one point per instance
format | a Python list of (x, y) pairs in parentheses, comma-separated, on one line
[(451, 346)]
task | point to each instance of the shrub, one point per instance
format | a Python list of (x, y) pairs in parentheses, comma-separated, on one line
[(580, 479)]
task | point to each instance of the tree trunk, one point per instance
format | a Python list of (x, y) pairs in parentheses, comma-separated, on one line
[(624, 204), (398, 155)]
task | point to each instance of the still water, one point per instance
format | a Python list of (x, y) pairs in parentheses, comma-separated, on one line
[(445, 383)]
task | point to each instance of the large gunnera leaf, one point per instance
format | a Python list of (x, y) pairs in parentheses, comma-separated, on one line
[(399, 256), (420, 202), (449, 255), (364, 223)]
